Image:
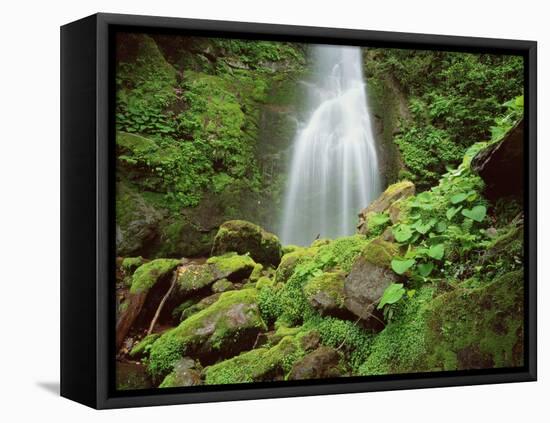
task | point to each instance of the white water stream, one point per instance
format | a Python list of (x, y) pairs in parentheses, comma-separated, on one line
[(334, 169)]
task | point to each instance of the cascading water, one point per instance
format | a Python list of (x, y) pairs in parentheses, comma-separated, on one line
[(334, 168)]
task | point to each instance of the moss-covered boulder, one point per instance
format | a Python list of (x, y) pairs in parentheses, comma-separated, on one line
[(187, 372), (465, 328), (369, 277), (393, 193), (192, 306), (196, 277), (322, 363), (477, 328), (142, 348), (291, 260), (148, 274), (222, 285), (224, 329), (325, 292), (144, 279), (244, 237), (260, 364)]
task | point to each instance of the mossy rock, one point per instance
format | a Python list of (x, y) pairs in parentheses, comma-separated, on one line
[(324, 362), (142, 348), (478, 328), (196, 277), (222, 330), (257, 365), (222, 285), (148, 274), (320, 242), (291, 260), (137, 221), (187, 372), (325, 292), (256, 273), (394, 193), (369, 278), (244, 237), (196, 306), (264, 282), (287, 249), (130, 264), (466, 328)]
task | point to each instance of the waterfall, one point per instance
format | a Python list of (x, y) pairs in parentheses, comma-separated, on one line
[(334, 167)]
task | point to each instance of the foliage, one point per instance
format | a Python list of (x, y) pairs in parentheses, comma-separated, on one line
[(453, 100)]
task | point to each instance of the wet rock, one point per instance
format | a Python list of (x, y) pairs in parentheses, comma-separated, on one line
[(322, 363), (244, 237), (500, 165), (369, 277), (393, 193)]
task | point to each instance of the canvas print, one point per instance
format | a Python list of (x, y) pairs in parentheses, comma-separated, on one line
[(291, 211)]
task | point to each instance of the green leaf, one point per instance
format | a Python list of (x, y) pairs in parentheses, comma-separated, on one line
[(379, 219), (391, 295), (458, 198), (402, 233), (422, 227), (452, 212), (400, 266), (476, 213), (424, 269), (437, 251), (441, 226)]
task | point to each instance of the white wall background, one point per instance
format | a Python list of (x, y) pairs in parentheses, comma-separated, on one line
[(29, 235)]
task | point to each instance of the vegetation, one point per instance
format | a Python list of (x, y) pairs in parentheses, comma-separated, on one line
[(431, 281)]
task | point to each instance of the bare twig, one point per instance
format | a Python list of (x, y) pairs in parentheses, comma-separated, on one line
[(161, 305)]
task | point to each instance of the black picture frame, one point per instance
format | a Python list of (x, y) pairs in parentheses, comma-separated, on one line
[(87, 210)]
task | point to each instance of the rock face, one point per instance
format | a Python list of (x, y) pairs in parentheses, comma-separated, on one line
[(501, 165), (326, 292), (322, 363), (244, 237), (223, 329), (368, 279), (393, 193)]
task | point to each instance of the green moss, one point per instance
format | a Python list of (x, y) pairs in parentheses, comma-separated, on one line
[(320, 242), (402, 345), (256, 365), (130, 264), (218, 329), (342, 252), (148, 274), (380, 252), (290, 261), (286, 249), (195, 277), (244, 237), (222, 285), (142, 347), (264, 282), (256, 273), (478, 328), (329, 286), (231, 263)]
